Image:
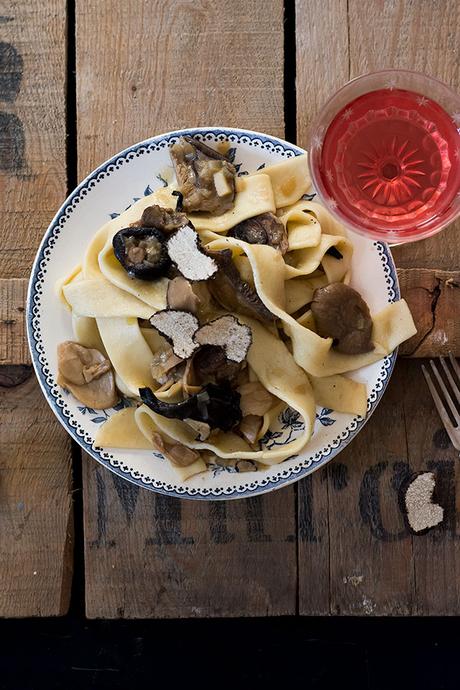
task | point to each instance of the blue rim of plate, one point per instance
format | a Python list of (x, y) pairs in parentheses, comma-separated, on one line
[(52, 391)]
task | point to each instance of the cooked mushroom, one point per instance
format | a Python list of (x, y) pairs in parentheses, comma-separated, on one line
[(206, 177), (87, 374), (227, 287), (142, 252), (163, 363), (184, 248), (217, 405), (177, 454), (420, 510), (250, 426), (210, 365), (165, 219), (180, 296), (263, 229), (255, 399), (178, 327), (227, 332), (202, 429), (341, 313)]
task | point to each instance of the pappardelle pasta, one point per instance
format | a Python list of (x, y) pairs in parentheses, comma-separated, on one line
[(215, 303)]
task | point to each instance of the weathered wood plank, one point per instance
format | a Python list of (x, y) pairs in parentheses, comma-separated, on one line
[(35, 463), (434, 299), (206, 63), (32, 127), (150, 556), (322, 67), (13, 341), (35, 501), (401, 34), (373, 566)]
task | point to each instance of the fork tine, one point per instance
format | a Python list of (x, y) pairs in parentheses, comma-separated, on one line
[(450, 378), (455, 366), (441, 409), (446, 393)]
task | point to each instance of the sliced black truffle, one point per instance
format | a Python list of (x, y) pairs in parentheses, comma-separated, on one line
[(184, 249), (420, 511), (341, 313), (142, 252), (165, 219), (206, 178), (227, 287), (265, 228), (227, 332), (178, 327), (216, 405)]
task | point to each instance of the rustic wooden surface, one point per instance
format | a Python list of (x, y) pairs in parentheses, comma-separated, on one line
[(163, 557), (35, 464), (370, 564), (335, 543)]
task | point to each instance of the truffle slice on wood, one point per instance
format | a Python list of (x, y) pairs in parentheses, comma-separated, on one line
[(421, 513), (227, 332), (185, 251), (178, 327)]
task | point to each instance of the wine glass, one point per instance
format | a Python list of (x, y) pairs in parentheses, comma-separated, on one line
[(385, 155)]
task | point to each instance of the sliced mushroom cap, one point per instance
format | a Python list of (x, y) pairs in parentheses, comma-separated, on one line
[(250, 426), (255, 399), (163, 363), (227, 287), (206, 178), (265, 228), (341, 313), (87, 374), (216, 405), (227, 332), (142, 252), (180, 296), (177, 454), (165, 219)]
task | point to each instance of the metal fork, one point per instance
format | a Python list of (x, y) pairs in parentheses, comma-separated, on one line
[(452, 430)]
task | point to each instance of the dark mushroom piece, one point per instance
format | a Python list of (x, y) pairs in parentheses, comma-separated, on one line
[(165, 219), (341, 313), (227, 287), (216, 405), (142, 252), (265, 228), (206, 178), (210, 365)]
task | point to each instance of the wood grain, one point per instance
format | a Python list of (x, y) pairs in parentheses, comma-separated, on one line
[(32, 127), (207, 63), (13, 340), (372, 566), (35, 464), (176, 64), (322, 67), (35, 504), (434, 300)]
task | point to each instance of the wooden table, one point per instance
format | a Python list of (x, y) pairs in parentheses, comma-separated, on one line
[(78, 83)]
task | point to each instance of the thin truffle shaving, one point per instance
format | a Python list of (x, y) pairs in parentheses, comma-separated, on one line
[(184, 249), (227, 332), (179, 328)]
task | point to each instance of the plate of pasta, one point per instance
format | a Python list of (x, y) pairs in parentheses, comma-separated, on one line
[(199, 322)]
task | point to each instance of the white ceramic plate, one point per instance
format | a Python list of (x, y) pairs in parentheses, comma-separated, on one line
[(109, 190)]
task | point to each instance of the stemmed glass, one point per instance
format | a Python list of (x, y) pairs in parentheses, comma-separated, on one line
[(385, 155)]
